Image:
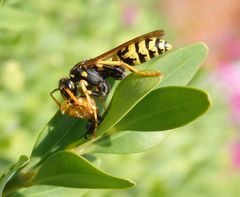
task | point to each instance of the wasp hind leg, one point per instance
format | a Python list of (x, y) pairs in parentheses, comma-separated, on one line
[(102, 89), (128, 67), (116, 72), (102, 101), (92, 126)]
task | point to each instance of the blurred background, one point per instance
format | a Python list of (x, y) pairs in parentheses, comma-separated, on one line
[(41, 40)]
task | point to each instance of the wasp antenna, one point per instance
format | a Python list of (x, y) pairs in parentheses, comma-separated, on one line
[(56, 101), (57, 89)]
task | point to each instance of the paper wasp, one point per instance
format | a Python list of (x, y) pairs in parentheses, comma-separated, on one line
[(88, 78)]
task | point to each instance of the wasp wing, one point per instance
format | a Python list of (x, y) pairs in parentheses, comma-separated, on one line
[(108, 54)]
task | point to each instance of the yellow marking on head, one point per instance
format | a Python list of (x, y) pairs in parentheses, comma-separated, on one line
[(84, 74)]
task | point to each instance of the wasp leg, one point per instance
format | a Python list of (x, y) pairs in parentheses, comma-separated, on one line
[(96, 122), (130, 68), (102, 101), (116, 72), (101, 98), (100, 95), (72, 96), (55, 100), (86, 93), (102, 89), (92, 131), (92, 125)]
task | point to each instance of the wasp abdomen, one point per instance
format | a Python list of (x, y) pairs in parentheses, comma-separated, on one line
[(140, 52)]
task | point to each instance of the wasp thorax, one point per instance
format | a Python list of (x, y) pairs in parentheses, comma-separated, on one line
[(64, 84), (78, 71)]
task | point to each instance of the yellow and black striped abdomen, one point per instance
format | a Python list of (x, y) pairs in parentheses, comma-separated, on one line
[(140, 52)]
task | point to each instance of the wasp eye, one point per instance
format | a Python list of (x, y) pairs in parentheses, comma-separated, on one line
[(67, 83)]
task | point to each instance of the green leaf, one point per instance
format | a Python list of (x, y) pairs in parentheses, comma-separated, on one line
[(62, 132), (179, 66), (128, 93), (23, 160), (13, 19), (126, 142), (49, 191), (55, 132), (165, 108), (67, 169)]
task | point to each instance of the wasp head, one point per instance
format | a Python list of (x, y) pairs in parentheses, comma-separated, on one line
[(66, 83)]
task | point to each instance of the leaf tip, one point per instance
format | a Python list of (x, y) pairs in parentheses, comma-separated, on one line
[(129, 184), (209, 100), (204, 46)]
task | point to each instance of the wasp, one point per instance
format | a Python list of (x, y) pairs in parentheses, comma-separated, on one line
[(80, 106), (89, 78)]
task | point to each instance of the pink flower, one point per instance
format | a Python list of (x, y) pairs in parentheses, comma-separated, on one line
[(235, 107), (228, 76), (235, 154), (130, 13), (232, 48)]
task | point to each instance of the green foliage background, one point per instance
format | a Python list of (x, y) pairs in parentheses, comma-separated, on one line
[(41, 40)]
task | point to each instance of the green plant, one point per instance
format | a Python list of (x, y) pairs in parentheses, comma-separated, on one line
[(140, 109)]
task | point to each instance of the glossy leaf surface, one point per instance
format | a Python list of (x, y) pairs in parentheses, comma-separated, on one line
[(67, 169), (164, 109)]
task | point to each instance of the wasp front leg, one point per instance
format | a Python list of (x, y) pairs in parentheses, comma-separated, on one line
[(73, 97), (128, 67), (83, 88), (102, 89), (94, 120), (91, 103), (65, 105)]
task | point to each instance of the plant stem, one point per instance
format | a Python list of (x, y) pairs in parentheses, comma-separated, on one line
[(20, 181), (80, 149)]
